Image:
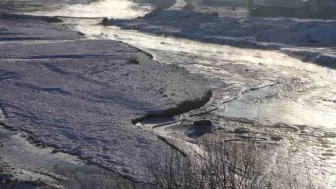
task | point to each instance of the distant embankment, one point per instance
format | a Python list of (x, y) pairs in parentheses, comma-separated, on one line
[(225, 3), (294, 12)]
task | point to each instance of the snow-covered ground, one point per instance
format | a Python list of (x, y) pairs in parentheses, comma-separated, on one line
[(80, 96)]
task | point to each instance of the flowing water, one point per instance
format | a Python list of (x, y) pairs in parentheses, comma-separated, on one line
[(104, 8)]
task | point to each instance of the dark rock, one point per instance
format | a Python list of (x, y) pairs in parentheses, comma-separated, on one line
[(245, 137), (105, 21), (241, 131), (215, 14), (53, 19), (54, 151), (276, 138), (38, 144), (7, 181), (80, 33), (199, 128), (202, 122)]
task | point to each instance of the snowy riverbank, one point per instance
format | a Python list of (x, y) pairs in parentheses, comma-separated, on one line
[(79, 96)]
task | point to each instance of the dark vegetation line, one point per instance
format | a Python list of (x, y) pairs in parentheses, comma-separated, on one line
[(181, 108), (50, 19)]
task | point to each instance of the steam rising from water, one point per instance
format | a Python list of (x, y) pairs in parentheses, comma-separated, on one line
[(212, 58)]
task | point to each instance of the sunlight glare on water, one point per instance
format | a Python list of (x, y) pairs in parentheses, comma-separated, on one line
[(279, 112), (122, 9)]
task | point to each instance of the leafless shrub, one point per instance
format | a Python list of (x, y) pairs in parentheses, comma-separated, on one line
[(133, 60), (171, 170), (89, 177), (288, 177), (232, 164), (218, 163), (222, 164)]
